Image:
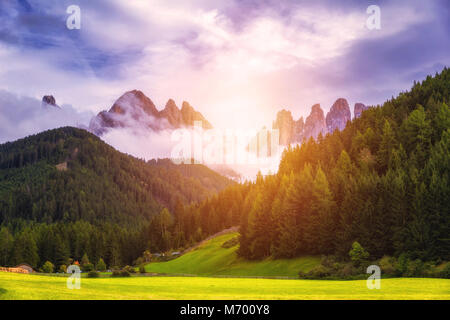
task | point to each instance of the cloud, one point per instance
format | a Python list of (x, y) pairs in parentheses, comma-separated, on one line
[(22, 116), (144, 144), (207, 147)]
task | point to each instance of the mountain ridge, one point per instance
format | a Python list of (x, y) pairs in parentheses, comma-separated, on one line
[(134, 108), (316, 123)]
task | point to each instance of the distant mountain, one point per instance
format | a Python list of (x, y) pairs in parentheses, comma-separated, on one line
[(134, 108), (338, 116), (359, 108), (315, 123), (291, 131)]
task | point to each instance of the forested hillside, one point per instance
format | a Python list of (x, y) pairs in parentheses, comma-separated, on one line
[(64, 193), (383, 181)]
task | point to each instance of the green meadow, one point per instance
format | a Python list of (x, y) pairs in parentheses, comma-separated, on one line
[(22, 286), (211, 258)]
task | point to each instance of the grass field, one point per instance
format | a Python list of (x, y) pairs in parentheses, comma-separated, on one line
[(211, 259), (22, 286)]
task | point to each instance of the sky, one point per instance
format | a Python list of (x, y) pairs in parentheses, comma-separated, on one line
[(236, 61)]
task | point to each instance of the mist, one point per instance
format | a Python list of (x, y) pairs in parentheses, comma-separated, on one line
[(21, 116)]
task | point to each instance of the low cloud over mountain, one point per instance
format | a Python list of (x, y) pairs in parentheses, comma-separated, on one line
[(21, 116)]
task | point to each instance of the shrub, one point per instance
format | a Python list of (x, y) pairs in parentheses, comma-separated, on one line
[(87, 267), (328, 261), (445, 273), (129, 269), (93, 274), (230, 243), (147, 256), (401, 267), (347, 270), (319, 271), (430, 270), (336, 267), (142, 268), (48, 267), (124, 273), (120, 273), (415, 268), (358, 254), (115, 273), (84, 259), (101, 265), (139, 261), (387, 265), (63, 268)]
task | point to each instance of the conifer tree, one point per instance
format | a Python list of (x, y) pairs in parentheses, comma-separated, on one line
[(387, 145)]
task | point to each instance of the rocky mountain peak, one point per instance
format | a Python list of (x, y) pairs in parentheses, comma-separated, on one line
[(338, 116), (315, 123), (299, 127), (134, 108), (172, 114), (189, 116), (171, 105), (359, 108), (316, 109), (186, 106), (133, 103), (49, 100), (285, 125), (291, 131)]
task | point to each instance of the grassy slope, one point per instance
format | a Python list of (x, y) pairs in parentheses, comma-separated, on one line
[(211, 259), (20, 286)]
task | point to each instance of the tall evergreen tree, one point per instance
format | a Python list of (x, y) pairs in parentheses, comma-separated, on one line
[(6, 245), (25, 249)]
